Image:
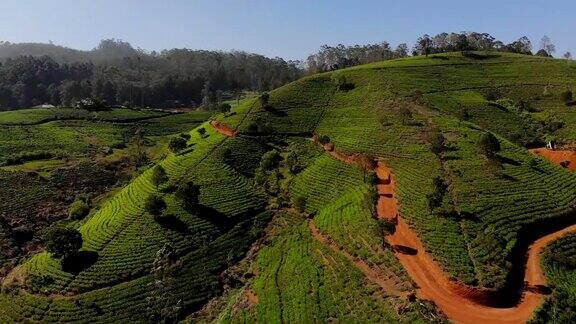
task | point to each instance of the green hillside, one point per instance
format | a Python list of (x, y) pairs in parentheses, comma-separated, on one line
[(245, 252)]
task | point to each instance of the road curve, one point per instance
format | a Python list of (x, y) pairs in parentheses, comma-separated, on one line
[(459, 302)]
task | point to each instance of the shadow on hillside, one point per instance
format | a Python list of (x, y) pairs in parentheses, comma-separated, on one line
[(403, 249), (276, 112), (479, 56), (539, 289), (173, 223), (443, 58), (505, 160), (214, 217), (79, 262)]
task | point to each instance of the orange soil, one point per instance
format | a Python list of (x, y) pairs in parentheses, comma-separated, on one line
[(223, 128), (370, 273), (251, 297), (558, 156), (461, 303)]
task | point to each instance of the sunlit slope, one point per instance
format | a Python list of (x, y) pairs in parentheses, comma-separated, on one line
[(389, 110), (121, 240)]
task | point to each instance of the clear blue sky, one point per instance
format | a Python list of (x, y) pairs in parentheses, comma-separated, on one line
[(290, 28)]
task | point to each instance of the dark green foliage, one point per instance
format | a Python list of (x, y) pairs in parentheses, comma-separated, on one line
[(437, 196), (270, 160), (185, 136), (159, 176), (299, 203), (388, 227), (63, 242), (174, 78), (372, 178), (489, 145), (36, 283), (155, 205), (224, 107), (566, 96), (78, 209), (177, 144), (493, 94), (406, 115), (437, 142), (343, 84), (260, 126), (293, 163), (464, 114), (201, 131), (263, 99), (543, 53), (560, 267), (188, 195), (324, 139)]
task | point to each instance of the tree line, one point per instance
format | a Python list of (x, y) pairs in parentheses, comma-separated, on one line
[(341, 56), (116, 74)]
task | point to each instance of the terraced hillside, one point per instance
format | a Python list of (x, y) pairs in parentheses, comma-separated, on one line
[(288, 231), (48, 157)]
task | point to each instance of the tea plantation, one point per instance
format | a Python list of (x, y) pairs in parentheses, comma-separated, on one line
[(247, 250)]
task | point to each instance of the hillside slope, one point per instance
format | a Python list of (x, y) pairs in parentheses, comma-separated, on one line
[(474, 214)]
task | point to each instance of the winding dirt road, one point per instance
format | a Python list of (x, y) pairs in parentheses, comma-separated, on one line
[(461, 303)]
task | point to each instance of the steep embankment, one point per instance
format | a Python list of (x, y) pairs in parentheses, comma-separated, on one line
[(223, 128), (461, 303), (566, 158)]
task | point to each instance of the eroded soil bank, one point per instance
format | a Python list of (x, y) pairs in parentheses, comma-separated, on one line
[(565, 158)]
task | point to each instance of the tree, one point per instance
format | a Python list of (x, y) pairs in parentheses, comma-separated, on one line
[(263, 100), (270, 160), (324, 139), (208, 96), (543, 53), (163, 306), (177, 144), (224, 107), (155, 205), (401, 51), (293, 162), (405, 115), (424, 45), (547, 46), (437, 142), (489, 144), (63, 242), (188, 195), (159, 176), (388, 227), (567, 55), (299, 203), (566, 96), (522, 46), (78, 209)]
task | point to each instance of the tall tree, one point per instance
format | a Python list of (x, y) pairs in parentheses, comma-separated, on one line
[(547, 45)]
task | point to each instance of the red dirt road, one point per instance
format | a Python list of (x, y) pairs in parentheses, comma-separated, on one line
[(558, 156), (223, 128), (461, 303)]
